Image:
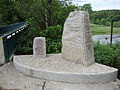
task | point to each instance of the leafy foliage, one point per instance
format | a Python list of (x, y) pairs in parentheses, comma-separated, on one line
[(7, 12), (53, 40), (87, 7), (104, 17), (108, 54)]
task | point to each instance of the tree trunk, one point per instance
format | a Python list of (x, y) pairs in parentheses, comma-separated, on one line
[(49, 14)]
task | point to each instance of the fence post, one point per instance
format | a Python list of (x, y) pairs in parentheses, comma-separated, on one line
[(111, 32)]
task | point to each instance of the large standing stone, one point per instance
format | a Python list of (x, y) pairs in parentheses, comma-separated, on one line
[(39, 47), (77, 39)]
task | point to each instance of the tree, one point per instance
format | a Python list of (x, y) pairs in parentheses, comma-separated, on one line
[(117, 24), (69, 2), (7, 12), (97, 21), (106, 14), (87, 7), (39, 14), (103, 21)]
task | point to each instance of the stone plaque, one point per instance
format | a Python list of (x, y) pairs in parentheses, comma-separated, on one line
[(39, 47), (77, 39)]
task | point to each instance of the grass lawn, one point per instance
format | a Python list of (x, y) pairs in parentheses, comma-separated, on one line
[(103, 30)]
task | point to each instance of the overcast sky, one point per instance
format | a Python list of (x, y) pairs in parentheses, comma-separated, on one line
[(100, 4)]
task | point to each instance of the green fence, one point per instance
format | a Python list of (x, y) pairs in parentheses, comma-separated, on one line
[(10, 34), (9, 46)]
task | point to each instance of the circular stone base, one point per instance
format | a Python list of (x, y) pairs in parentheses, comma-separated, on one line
[(53, 67)]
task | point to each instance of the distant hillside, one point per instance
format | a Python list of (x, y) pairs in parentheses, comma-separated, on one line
[(103, 17)]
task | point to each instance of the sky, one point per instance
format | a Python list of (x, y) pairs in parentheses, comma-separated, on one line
[(100, 4)]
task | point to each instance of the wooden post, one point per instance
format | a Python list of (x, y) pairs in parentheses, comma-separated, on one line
[(111, 32)]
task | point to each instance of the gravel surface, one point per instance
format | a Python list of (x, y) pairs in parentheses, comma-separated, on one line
[(55, 63)]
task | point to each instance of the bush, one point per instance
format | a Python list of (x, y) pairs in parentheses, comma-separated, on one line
[(108, 55), (117, 24), (53, 37)]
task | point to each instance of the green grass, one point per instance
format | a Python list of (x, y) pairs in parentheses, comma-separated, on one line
[(103, 30)]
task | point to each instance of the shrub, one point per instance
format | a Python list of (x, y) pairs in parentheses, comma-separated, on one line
[(108, 55), (53, 37), (53, 40), (117, 24)]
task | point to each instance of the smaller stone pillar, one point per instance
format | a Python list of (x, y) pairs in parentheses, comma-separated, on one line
[(39, 47)]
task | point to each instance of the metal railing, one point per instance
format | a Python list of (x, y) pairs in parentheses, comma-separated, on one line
[(9, 35)]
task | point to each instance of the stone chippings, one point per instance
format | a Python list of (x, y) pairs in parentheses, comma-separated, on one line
[(77, 39), (55, 63)]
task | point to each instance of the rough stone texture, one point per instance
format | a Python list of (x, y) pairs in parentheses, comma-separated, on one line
[(2, 60), (10, 79), (39, 47), (53, 67), (77, 39)]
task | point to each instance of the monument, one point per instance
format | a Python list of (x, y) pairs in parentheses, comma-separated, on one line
[(76, 63), (77, 39)]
